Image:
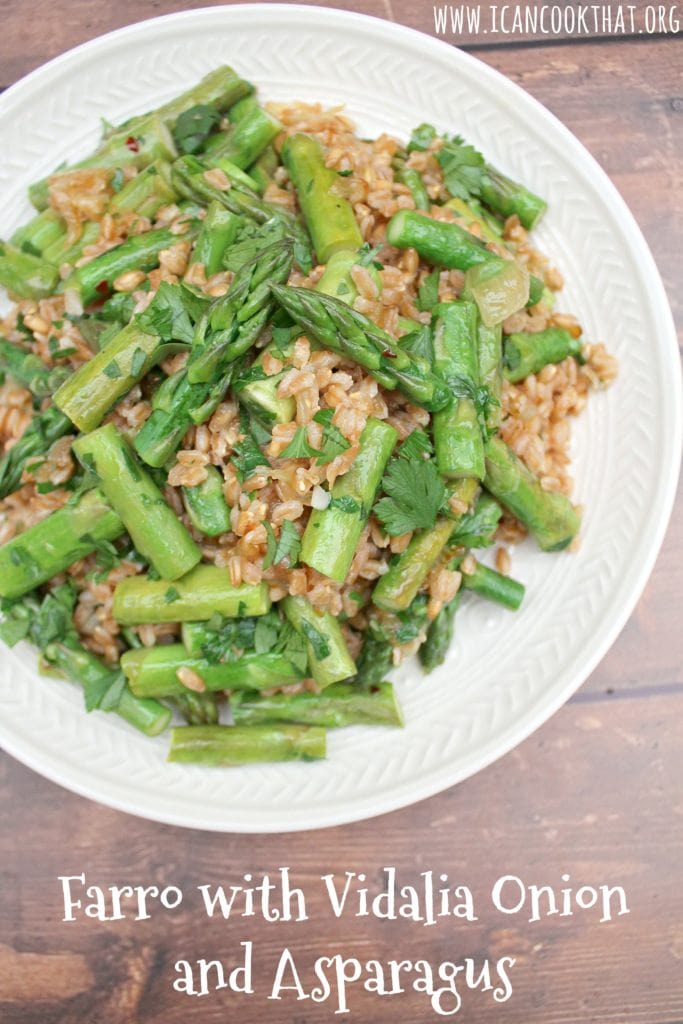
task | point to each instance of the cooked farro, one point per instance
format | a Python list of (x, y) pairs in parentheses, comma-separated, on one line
[(327, 405)]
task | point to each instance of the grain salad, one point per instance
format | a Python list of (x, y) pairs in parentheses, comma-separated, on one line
[(268, 392)]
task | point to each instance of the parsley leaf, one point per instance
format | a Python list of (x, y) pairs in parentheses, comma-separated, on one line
[(194, 126), (298, 447), (419, 343), (171, 595), (112, 370), (367, 256), (104, 691), (421, 137), (415, 495), (286, 547), (247, 457), (14, 630), (266, 633), (416, 445), (345, 503), (463, 168), (137, 363), (117, 180), (167, 315), (334, 442), (316, 639)]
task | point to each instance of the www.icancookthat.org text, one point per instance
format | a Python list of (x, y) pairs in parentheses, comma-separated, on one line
[(556, 19)]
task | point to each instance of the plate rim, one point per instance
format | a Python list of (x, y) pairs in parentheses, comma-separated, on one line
[(354, 808)]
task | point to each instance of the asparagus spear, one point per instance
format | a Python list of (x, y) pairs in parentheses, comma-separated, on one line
[(228, 329), (494, 586), (30, 370), (332, 534), (62, 251), (398, 587), (550, 517), (336, 279), (458, 444), (154, 529), (79, 665), (331, 323), (138, 145), (439, 636), (146, 193), (529, 353), (329, 660), (196, 597), (219, 229), (490, 358), (43, 230), (176, 405), (264, 168), (153, 671), (328, 214), (246, 139), (189, 179), (413, 179), (474, 215), (375, 659), (139, 252), (221, 88), (475, 529), (218, 336), (55, 543), (196, 708), (44, 429), (499, 286), (228, 745), (206, 506), (466, 173), (91, 390), (26, 276), (258, 391), (339, 705)]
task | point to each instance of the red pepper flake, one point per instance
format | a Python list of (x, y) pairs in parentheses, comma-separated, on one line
[(102, 288), (133, 144), (388, 354)]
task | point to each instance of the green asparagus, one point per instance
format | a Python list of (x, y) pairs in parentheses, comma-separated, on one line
[(201, 593), (158, 671), (549, 516), (529, 353), (339, 705), (156, 532), (56, 542), (228, 745), (331, 537), (458, 441), (26, 276), (206, 506), (344, 330), (328, 214), (494, 586), (329, 660)]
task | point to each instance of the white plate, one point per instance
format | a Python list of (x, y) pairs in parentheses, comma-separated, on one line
[(507, 673)]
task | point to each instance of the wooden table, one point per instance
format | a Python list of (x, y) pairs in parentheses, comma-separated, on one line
[(597, 793)]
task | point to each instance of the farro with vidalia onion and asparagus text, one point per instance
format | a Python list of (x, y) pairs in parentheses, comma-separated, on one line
[(265, 389)]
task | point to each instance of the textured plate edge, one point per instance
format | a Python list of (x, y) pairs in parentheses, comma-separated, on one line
[(635, 581)]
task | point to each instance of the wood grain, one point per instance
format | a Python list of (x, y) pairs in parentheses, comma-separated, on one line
[(596, 793)]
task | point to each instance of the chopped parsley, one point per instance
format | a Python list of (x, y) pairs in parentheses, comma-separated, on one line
[(334, 442), (194, 126), (298, 447), (316, 639), (112, 370), (286, 547)]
